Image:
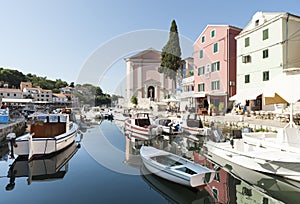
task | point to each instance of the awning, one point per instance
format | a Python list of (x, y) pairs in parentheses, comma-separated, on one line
[(246, 94)]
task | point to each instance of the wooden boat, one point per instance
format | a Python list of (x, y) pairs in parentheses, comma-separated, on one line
[(48, 133), (48, 168), (266, 160), (168, 126), (175, 168), (192, 124), (140, 127)]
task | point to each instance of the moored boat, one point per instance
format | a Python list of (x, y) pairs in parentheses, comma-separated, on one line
[(140, 127), (48, 133), (265, 160), (167, 125), (192, 124), (175, 168)]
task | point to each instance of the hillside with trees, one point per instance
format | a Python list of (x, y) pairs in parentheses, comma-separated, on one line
[(86, 93)]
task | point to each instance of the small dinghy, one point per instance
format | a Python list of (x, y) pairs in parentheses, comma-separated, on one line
[(175, 168)]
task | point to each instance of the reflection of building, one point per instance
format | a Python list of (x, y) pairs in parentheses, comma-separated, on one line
[(143, 79), (222, 188), (215, 66), (229, 188), (266, 47)]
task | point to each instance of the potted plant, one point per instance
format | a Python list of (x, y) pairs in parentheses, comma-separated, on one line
[(221, 108), (212, 109)]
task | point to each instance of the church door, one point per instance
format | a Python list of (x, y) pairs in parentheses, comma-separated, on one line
[(151, 93)]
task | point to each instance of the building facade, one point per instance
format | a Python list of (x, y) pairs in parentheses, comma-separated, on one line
[(143, 79), (266, 47), (215, 68)]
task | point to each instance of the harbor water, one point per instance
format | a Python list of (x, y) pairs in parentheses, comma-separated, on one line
[(104, 166)]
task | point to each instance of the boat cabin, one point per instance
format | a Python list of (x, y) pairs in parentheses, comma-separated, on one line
[(194, 120), (141, 119), (47, 126)]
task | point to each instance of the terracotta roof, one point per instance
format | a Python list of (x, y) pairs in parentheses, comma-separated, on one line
[(10, 90)]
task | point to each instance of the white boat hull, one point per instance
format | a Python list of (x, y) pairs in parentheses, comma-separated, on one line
[(26, 145), (274, 162), (176, 173), (141, 133)]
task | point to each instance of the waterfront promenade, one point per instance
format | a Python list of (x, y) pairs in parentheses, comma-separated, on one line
[(239, 121)]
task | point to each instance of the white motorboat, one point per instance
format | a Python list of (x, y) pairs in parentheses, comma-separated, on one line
[(287, 139), (167, 125), (192, 124), (140, 127), (175, 168), (266, 160), (48, 133)]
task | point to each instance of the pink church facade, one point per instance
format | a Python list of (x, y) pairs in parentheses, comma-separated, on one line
[(143, 79), (215, 68)]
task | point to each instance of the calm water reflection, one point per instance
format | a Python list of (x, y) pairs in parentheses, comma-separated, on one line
[(107, 169)]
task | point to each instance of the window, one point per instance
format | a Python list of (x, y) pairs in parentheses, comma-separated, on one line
[(215, 193), (212, 33), (265, 34), (256, 22), (215, 66), (201, 54), (265, 53), (201, 70), (201, 87), (266, 76), (203, 39), (247, 78), (215, 85), (8, 94), (15, 94), (247, 42), (216, 47), (246, 59)]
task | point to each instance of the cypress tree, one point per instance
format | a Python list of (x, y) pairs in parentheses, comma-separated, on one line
[(171, 54)]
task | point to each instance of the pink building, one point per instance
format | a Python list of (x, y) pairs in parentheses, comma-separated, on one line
[(215, 68)]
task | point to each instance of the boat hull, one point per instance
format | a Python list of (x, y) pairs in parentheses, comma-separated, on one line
[(271, 164), (141, 133), (26, 145), (178, 170)]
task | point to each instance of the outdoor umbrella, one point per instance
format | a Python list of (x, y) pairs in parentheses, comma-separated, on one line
[(283, 89)]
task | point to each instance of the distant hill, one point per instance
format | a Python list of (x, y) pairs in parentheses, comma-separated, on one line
[(13, 78)]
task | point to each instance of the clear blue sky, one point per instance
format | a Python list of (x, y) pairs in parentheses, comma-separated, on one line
[(56, 38)]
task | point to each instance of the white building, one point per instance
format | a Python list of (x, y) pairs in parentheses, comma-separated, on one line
[(10, 93), (266, 47)]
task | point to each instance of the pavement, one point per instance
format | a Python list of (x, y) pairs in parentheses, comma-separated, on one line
[(240, 121)]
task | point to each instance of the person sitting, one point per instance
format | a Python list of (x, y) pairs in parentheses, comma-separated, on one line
[(3, 106)]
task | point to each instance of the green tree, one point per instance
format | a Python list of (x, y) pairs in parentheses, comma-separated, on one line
[(171, 54), (134, 100)]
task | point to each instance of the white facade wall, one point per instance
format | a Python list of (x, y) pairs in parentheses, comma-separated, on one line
[(283, 46)]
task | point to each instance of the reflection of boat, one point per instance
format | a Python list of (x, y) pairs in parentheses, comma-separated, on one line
[(174, 193), (41, 169), (276, 187), (192, 124), (175, 168), (167, 126), (48, 133), (267, 160), (140, 127)]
